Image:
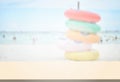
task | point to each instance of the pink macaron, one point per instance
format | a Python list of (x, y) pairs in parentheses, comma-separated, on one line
[(81, 15)]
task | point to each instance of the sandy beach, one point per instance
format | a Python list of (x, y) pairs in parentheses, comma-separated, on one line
[(50, 52)]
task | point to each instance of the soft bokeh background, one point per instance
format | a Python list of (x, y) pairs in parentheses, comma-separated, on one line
[(48, 15), (28, 22)]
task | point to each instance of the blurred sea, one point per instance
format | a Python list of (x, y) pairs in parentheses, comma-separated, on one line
[(29, 37), (16, 26), (49, 37)]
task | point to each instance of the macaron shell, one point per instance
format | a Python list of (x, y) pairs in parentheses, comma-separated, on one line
[(77, 36), (81, 15), (82, 56), (72, 46), (83, 26)]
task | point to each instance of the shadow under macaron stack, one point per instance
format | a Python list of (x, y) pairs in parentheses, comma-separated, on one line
[(82, 33)]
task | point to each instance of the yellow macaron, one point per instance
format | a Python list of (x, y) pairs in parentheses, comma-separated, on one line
[(82, 56)]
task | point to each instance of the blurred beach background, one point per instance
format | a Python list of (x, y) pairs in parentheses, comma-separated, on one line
[(37, 25), (37, 21)]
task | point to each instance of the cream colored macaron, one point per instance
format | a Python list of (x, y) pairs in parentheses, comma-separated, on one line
[(82, 56), (69, 45)]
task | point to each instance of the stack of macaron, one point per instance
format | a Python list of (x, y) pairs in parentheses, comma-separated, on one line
[(81, 34)]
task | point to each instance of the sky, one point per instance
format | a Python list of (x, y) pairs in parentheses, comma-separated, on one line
[(39, 15), (95, 4)]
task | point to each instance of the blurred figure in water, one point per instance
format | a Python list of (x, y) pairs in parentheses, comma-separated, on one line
[(3, 36)]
